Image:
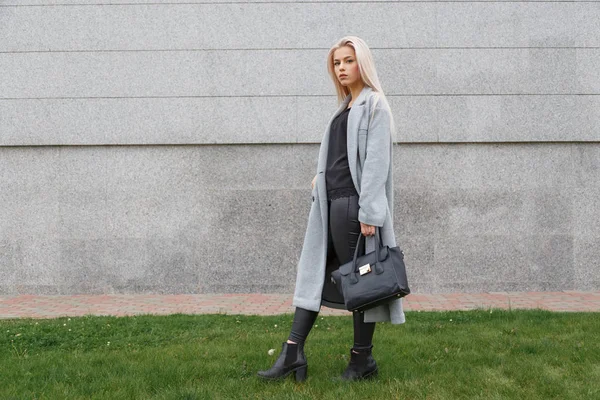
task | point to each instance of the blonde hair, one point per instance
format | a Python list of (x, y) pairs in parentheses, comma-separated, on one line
[(368, 73)]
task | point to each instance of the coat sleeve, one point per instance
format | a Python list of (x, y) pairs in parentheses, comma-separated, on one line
[(372, 198)]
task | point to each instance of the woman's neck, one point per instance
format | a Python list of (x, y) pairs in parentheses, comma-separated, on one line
[(355, 92)]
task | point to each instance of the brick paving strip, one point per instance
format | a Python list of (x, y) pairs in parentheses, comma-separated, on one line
[(34, 306)]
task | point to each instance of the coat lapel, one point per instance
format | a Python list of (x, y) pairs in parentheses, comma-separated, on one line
[(354, 118)]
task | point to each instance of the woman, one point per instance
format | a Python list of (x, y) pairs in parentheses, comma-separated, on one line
[(352, 193)]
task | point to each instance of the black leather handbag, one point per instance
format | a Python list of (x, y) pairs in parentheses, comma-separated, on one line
[(373, 279)]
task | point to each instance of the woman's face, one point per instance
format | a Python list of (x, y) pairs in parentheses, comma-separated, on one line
[(345, 66)]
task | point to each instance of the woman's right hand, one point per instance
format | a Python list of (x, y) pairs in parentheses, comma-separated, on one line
[(312, 185)]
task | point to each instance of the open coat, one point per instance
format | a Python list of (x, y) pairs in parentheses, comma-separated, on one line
[(369, 140)]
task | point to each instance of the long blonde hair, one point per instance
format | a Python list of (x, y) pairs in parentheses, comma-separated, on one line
[(368, 73)]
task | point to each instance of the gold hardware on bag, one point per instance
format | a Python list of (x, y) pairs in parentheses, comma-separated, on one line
[(365, 269)]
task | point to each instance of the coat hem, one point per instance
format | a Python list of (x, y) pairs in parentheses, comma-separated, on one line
[(306, 304), (336, 306)]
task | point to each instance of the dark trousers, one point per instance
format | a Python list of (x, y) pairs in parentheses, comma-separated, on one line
[(344, 229)]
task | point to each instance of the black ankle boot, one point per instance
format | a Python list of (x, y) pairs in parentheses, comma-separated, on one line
[(291, 359), (361, 365)]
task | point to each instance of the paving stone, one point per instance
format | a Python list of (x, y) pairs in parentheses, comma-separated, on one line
[(49, 306)]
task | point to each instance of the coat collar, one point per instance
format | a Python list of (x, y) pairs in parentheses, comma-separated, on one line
[(360, 100)]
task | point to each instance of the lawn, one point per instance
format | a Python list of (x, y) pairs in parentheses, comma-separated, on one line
[(483, 354)]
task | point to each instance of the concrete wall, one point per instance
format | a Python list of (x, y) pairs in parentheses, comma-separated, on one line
[(137, 138)]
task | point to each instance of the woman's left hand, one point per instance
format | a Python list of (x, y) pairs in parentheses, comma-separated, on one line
[(367, 230)]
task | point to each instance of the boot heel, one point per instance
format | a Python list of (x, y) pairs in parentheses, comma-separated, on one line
[(362, 365), (301, 374)]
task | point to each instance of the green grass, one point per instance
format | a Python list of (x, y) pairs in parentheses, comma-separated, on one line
[(435, 355)]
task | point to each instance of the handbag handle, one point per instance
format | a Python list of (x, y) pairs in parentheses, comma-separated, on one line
[(377, 238)]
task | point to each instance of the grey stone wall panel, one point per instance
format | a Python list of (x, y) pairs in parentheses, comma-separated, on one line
[(496, 118), (292, 24), (29, 194), (204, 120), (419, 119), (202, 219), (11, 260), (495, 166), (525, 263), (586, 264), (419, 252), (212, 73), (293, 119), (587, 215)]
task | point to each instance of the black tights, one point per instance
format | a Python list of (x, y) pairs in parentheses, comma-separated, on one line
[(304, 320), (344, 229)]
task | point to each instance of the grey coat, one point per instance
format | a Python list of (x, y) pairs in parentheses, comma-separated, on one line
[(372, 177)]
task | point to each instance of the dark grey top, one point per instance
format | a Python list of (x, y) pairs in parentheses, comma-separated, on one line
[(337, 176)]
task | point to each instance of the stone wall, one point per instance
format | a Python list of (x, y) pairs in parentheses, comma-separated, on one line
[(168, 147)]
